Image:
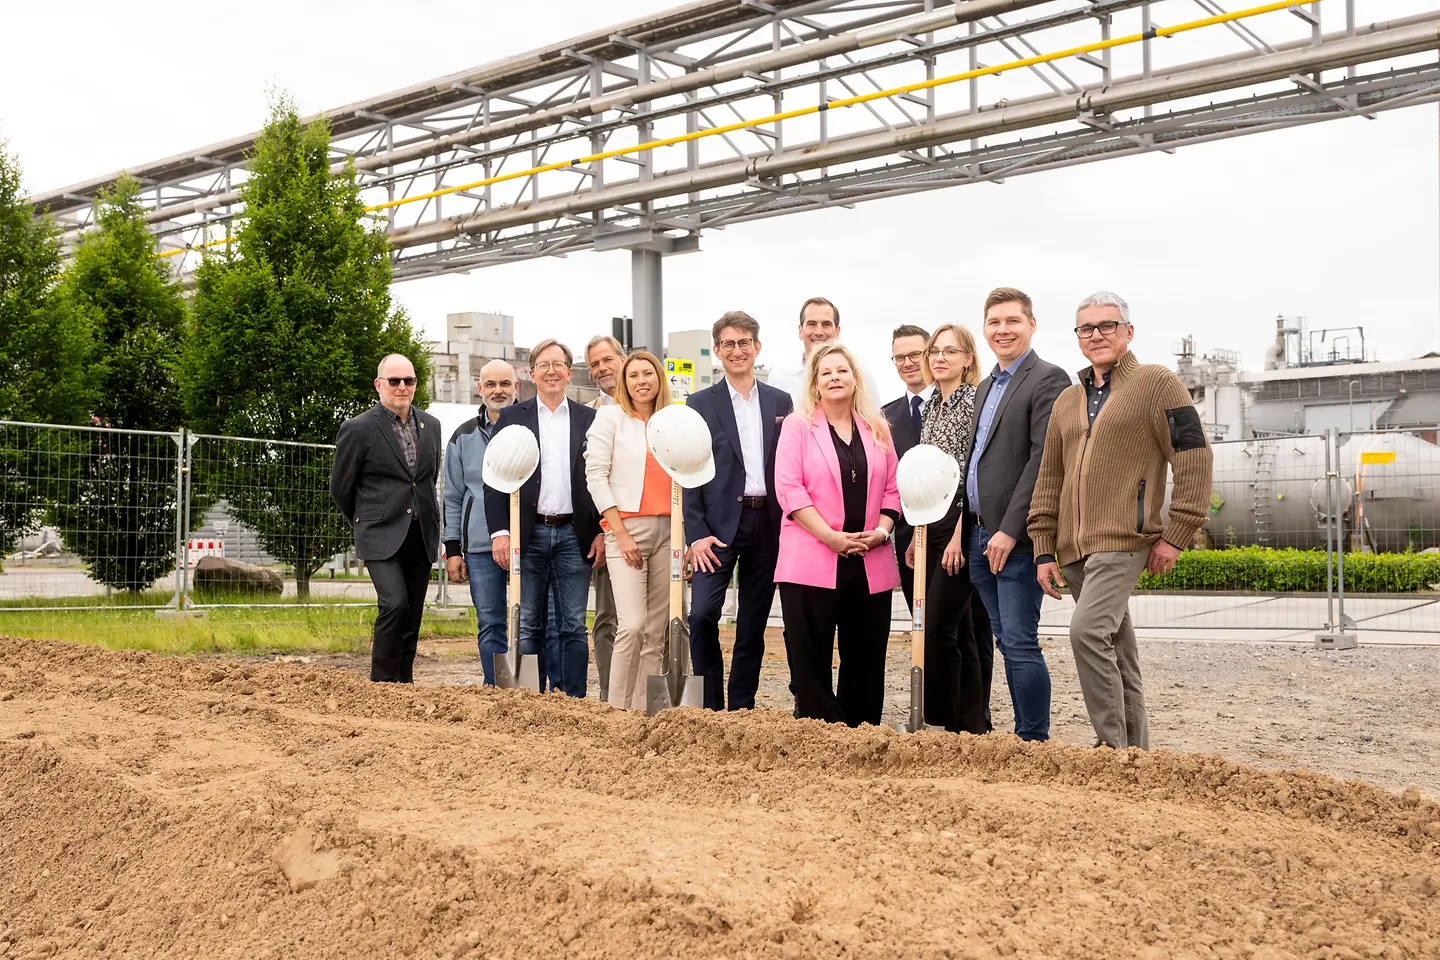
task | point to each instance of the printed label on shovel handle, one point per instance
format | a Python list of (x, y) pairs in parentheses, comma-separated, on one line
[(918, 622), (677, 564)]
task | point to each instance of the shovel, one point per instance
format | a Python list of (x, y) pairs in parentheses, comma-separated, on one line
[(511, 668), (675, 687), (917, 638)]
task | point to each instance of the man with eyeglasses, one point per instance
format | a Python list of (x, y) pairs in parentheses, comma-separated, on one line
[(734, 520), (383, 480), (603, 357), (907, 351), (819, 323), (1097, 510), (560, 538), (468, 556), (1012, 411)]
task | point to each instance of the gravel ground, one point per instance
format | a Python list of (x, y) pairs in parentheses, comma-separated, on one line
[(1362, 714)]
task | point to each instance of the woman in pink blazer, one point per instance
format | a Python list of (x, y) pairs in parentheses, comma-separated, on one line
[(835, 483)]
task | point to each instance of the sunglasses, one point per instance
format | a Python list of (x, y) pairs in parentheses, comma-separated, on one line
[(397, 381)]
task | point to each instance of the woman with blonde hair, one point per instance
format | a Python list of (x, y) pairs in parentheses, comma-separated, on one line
[(835, 483), (632, 493), (957, 676)]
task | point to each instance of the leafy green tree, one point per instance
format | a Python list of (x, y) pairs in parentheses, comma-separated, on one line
[(45, 339), (121, 514), (290, 323)]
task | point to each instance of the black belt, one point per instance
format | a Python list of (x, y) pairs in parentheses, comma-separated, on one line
[(554, 519), (980, 521), (754, 503)]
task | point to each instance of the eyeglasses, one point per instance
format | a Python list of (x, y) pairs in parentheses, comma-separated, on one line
[(744, 343), (546, 366), (396, 381), (948, 352), (911, 357), (1106, 327)]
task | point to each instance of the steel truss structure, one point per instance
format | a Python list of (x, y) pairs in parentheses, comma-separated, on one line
[(643, 135)]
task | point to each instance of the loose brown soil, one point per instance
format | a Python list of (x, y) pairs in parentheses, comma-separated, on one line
[(183, 807)]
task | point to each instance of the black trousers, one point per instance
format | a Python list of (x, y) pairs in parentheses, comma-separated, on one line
[(959, 652), (400, 584), (813, 618), (752, 550)]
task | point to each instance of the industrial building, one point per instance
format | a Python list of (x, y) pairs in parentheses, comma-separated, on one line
[(1315, 381), (475, 338)]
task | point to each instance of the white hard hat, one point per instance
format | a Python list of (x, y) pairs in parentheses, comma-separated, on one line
[(680, 440), (928, 478), (511, 457)]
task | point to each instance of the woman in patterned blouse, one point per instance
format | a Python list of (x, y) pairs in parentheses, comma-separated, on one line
[(957, 677)]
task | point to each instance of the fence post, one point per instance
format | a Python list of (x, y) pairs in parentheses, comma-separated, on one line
[(178, 602), (1339, 633), (187, 490)]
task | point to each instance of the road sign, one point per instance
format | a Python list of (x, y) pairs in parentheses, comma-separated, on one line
[(681, 374)]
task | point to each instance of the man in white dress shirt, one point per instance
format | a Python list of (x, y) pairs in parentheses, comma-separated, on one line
[(560, 539), (819, 323), (734, 520)]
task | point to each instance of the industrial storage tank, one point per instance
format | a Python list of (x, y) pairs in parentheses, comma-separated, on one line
[(1271, 492)]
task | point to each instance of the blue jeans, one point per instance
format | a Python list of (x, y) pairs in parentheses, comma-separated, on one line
[(488, 583), (1012, 598), (555, 581)]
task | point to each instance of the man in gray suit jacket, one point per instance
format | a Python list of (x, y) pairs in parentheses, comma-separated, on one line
[(1012, 412), (383, 481)]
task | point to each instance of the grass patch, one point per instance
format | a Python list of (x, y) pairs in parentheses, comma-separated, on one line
[(289, 629)]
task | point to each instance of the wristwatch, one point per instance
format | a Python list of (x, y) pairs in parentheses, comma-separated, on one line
[(887, 534)]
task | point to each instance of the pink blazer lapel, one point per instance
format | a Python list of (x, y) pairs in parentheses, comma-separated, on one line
[(820, 431)]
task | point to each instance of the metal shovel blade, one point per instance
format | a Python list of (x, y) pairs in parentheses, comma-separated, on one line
[(514, 669), (675, 687)]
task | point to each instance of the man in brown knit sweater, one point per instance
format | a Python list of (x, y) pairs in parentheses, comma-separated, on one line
[(1096, 506)]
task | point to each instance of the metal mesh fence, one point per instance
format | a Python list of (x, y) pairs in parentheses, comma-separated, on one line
[(94, 517), (89, 515)]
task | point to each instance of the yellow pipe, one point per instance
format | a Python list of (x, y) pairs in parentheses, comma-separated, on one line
[(834, 104)]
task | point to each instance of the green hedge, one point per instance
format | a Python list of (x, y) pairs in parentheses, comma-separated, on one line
[(1278, 571)]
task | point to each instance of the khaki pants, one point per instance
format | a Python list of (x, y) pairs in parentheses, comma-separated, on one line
[(642, 609), (1107, 657)]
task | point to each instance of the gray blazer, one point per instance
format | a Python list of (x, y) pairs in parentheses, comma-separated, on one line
[(1010, 461), (378, 494)]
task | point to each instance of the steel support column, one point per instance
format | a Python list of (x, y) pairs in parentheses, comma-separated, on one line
[(647, 301)]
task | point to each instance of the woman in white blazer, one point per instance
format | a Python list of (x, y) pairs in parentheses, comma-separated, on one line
[(632, 493)]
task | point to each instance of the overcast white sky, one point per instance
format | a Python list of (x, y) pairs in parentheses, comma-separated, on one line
[(1337, 221)]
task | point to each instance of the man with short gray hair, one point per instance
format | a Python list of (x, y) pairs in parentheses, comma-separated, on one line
[(603, 357), (1096, 513)]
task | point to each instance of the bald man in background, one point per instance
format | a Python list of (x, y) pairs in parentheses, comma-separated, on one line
[(387, 460)]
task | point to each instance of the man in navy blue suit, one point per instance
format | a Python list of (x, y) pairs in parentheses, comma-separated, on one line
[(560, 539), (734, 520)]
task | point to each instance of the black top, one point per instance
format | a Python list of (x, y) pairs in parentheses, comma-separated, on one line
[(854, 477), (1095, 397)]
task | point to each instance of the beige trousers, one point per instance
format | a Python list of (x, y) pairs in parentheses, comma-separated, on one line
[(1107, 658), (642, 609)]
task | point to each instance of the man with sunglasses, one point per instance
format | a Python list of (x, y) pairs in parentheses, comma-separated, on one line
[(386, 462), (907, 350), (1097, 510), (733, 522)]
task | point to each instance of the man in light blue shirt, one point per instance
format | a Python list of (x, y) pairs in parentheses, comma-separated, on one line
[(1013, 411)]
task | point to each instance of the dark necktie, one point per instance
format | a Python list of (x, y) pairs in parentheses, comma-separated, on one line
[(916, 402)]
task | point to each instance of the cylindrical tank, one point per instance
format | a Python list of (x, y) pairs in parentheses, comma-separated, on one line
[(1272, 492), (1396, 476)]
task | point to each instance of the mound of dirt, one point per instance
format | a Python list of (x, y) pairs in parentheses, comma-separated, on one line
[(181, 807)]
